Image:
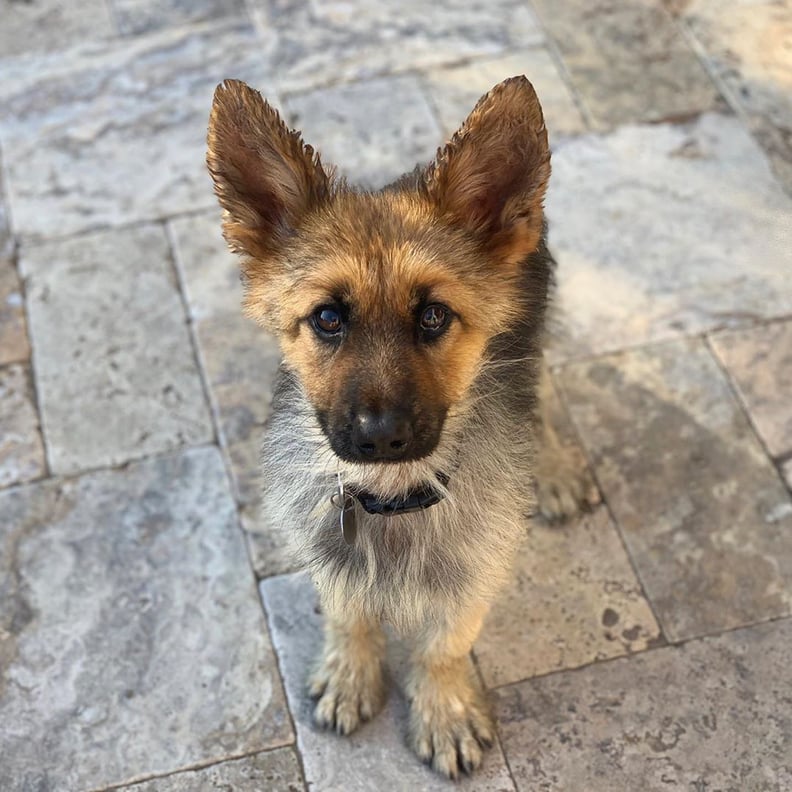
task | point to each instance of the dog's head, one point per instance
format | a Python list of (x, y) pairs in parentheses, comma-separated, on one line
[(384, 303)]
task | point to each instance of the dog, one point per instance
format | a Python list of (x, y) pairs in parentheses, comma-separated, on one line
[(407, 424)]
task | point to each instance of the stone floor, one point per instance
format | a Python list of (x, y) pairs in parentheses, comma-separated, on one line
[(151, 637)]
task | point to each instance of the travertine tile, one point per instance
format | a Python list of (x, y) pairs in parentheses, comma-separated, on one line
[(209, 270), (666, 230), (455, 90), (13, 334), (574, 599), (132, 634), (373, 131), (759, 361), (272, 771), (712, 714), (374, 757), (48, 25), (141, 16), (116, 374), (270, 548), (747, 44), (6, 240), (110, 133), (628, 60), (21, 448), (326, 41), (707, 522), (241, 361)]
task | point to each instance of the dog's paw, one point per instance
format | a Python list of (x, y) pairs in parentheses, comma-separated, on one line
[(348, 692), (450, 730), (564, 487)]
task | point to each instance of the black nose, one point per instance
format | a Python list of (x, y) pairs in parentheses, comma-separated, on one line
[(382, 435)]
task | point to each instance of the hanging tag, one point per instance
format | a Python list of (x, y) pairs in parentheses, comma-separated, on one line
[(347, 518)]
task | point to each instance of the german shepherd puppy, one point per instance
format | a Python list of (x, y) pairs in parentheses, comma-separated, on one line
[(400, 449)]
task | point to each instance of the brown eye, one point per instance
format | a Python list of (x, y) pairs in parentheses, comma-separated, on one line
[(434, 320), (327, 321)]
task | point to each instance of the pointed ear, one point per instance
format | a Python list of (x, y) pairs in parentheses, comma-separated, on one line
[(492, 175), (265, 177)]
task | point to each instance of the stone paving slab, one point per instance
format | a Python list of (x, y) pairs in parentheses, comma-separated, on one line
[(759, 361), (141, 16), (47, 25), (747, 46), (240, 361), (133, 641), (661, 238), (374, 757), (109, 335), (573, 599), (711, 714), (111, 133), (339, 123), (329, 41), (208, 270), (455, 90), (271, 771), (13, 332), (21, 447), (628, 60), (706, 520), (269, 546)]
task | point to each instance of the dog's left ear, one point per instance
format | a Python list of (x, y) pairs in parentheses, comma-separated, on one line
[(492, 175)]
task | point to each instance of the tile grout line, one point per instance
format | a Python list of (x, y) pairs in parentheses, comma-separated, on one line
[(726, 92), (32, 365), (28, 362), (561, 394), (487, 694), (591, 357), (176, 269), (649, 650), (775, 461), (200, 765), (286, 698), (566, 76), (219, 439), (34, 241)]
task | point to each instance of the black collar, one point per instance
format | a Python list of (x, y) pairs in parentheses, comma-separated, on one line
[(415, 500)]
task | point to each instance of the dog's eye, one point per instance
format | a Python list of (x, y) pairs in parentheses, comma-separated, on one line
[(434, 320), (327, 321)]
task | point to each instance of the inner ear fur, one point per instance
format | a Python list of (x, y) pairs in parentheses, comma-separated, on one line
[(492, 175), (265, 177)]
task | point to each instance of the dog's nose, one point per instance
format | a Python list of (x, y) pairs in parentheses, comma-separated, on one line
[(382, 435)]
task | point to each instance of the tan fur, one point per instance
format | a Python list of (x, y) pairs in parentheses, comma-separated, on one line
[(349, 683), (563, 483), (466, 232), (450, 718)]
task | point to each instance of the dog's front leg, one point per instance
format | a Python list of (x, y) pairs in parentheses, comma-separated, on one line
[(349, 683), (450, 720)]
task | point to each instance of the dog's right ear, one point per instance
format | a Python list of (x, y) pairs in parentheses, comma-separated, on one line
[(265, 177)]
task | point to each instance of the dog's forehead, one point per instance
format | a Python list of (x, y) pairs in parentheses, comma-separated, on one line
[(379, 249)]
